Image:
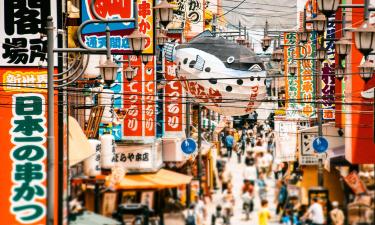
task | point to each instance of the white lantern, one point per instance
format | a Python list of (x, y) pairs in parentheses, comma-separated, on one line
[(108, 153), (365, 38), (106, 98), (366, 70), (328, 7), (92, 71), (91, 166)]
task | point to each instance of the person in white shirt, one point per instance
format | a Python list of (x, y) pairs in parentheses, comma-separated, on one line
[(315, 213), (250, 172)]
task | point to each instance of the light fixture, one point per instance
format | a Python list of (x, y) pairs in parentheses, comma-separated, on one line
[(137, 41), (365, 38), (366, 70), (266, 42), (339, 72), (164, 12), (129, 73), (277, 55), (328, 7), (292, 69), (303, 36), (241, 41), (146, 59), (161, 38), (321, 54), (108, 70), (343, 46), (319, 23)]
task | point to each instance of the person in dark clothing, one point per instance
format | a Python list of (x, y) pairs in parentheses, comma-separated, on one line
[(282, 196), (229, 142)]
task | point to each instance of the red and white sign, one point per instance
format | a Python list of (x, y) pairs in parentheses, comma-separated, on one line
[(133, 101), (173, 110), (355, 183), (149, 98)]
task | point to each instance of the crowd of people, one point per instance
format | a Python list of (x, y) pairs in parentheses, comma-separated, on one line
[(254, 146)]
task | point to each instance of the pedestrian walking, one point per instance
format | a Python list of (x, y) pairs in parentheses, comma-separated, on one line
[(250, 171), (229, 142), (264, 214), (226, 178), (282, 196), (315, 214), (336, 214), (262, 186)]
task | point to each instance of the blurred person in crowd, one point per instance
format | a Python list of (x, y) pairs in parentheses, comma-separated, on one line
[(262, 186), (229, 143), (282, 196), (315, 213), (228, 200), (336, 214), (226, 177), (200, 210), (264, 214), (250, 172)]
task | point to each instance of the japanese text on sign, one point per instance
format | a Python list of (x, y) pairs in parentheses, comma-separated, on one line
[(22, 21), (28, 174)]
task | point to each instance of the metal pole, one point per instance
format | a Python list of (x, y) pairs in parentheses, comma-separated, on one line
[(51, 125), (108, 42), (199, 149), (319, 117), (187, 129), (366, 14), (209, 124)]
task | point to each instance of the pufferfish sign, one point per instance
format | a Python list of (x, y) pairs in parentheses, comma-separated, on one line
[(227, 77)]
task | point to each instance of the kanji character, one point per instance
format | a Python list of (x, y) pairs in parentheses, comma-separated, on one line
[(138, 157), (38, 49), (16, 50), (144, 9), (123, 157), (28, 152), (28, 172), (28, 125), (145, 157), (30, 105), (29, 213)]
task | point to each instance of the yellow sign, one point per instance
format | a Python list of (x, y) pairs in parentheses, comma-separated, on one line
[(29, 81)]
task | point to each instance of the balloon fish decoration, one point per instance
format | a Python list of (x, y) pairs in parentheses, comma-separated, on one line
[(205, 62)]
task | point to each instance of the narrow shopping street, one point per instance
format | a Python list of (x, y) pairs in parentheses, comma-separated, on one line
[(239, 216)]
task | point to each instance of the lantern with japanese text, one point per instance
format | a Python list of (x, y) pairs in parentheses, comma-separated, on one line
[(91, 166), (227, 77), (108, 153)]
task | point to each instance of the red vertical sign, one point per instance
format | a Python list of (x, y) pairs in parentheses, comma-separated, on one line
[(133, 100), (149, 98), (173, 114)]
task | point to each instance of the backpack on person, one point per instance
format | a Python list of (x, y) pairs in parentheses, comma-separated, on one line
[(190, 219)]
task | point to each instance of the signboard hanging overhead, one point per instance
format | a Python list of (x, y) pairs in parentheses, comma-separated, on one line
[(94, 34), (21, 23)]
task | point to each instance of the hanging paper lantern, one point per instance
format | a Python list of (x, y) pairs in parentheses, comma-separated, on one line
[(91, 166), (205, 63), (108, 153)]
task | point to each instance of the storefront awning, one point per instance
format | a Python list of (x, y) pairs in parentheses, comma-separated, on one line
[(161, 179), (79, 147)]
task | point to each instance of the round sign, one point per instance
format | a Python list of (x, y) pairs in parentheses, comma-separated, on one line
[(320, 144), (188, 146)]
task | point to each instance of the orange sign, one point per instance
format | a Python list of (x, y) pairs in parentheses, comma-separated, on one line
[(23, 136)]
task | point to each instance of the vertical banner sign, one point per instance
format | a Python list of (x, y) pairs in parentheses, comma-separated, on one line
[(328, 73), (194, 15), (117, 89), (133, 101), (23, 144), (21, 22), (173, 110), (149, 98), (146, 23), (307, 93), (291, 81), (286, 139)]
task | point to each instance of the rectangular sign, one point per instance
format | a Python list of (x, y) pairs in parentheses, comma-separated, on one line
[(21, 23), (149, 90), (328, 73), (286, 140), (292, 82), (306, 74), (133, 101), (23, 144), (94, 34), (173, 110)]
